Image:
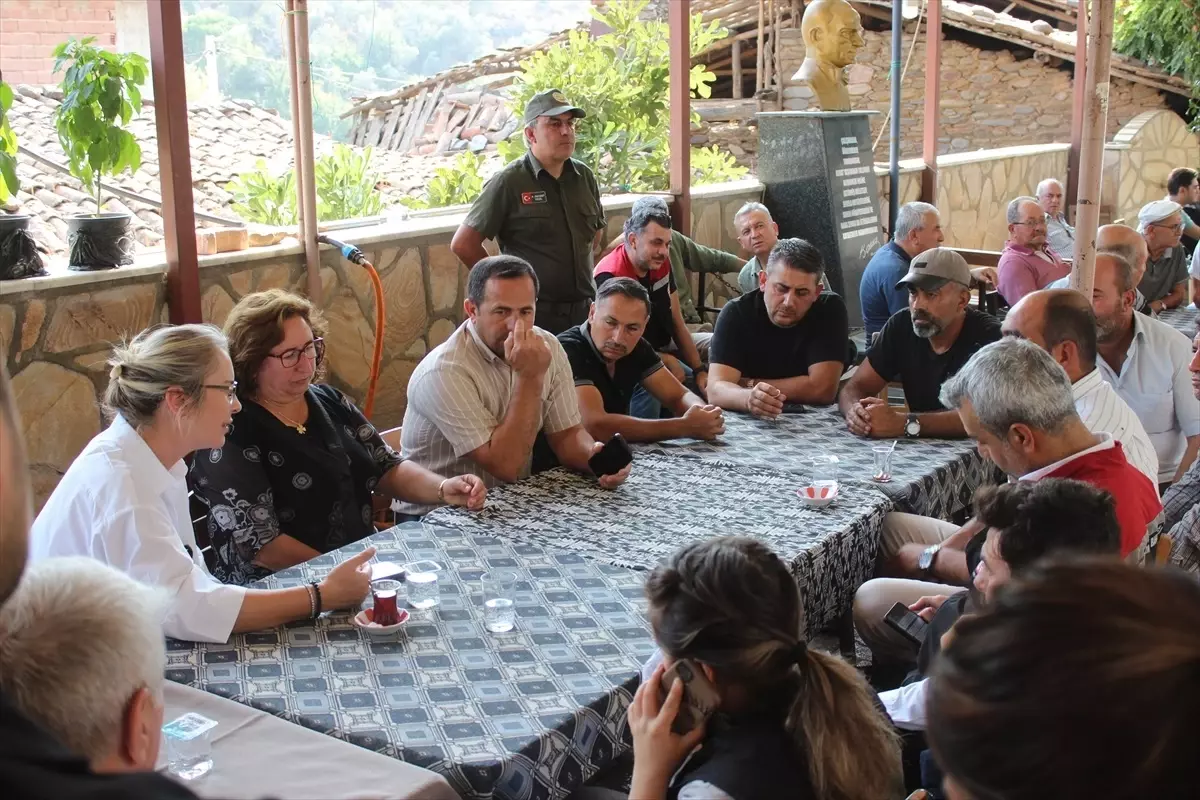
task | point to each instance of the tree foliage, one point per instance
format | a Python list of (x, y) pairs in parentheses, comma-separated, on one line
[(460, 182), (8, 147), (100, 95), (621, 79), (345, 184), (1165, 33)]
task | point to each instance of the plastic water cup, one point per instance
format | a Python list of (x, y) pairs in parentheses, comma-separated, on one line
[(189, 746), (423, 589), (883, 463), (825, 470), (499, 610)]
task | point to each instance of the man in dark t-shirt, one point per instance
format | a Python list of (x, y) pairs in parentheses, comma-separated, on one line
[(921, 347), (610, 360), (784, 342)]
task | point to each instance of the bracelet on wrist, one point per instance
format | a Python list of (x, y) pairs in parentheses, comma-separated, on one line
[(312, 602), (442, 491), (316, 592)]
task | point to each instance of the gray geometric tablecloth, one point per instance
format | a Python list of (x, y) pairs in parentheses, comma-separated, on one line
[(525, 715), (1185, 319), (668, 502), (930, 477)]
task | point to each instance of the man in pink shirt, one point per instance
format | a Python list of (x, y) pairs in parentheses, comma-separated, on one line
[(1027, 264)]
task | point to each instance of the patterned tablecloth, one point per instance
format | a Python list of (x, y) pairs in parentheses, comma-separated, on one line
[(670, 501), (524, 715), (1185, 319), (931, 477)]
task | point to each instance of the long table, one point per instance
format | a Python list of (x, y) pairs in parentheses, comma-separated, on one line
[(669, 501), (527, 714), (1185, 319), (930, 477)]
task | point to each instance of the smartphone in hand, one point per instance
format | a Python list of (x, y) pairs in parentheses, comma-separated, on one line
[(612, 458), (906, 623), (700, 697)]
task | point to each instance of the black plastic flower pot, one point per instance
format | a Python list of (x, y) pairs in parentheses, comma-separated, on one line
[(19, 257), (99, 241)]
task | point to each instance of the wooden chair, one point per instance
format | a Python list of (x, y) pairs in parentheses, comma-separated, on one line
[(381, 504)]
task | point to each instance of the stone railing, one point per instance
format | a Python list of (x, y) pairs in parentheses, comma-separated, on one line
[(56, 332)]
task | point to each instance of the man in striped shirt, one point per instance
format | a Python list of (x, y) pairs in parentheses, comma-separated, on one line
[(1062, 322), (479, 400)]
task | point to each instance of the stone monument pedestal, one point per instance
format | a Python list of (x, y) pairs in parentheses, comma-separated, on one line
[(819, 174)]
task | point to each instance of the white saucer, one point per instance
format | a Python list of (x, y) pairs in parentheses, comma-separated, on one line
[(363, 620)]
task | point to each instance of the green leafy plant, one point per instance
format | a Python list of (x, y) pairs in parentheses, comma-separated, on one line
[(346, 185), (457, 183), (101, 94), (622, 79), (714, 165), (263, 196), (8, 147), (1165, 33)]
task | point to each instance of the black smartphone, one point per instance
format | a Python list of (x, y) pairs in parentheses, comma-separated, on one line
[(700, 697), (906, 623), (612, 458)]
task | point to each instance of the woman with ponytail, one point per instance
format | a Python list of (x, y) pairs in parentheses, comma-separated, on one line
[(791, 721)]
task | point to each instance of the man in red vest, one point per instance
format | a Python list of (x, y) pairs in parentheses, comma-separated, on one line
[(644, 257)]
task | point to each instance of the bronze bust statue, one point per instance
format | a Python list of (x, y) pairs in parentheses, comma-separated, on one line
[(832, 32)]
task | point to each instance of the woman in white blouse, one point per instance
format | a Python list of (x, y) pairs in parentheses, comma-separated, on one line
[(124, 499)]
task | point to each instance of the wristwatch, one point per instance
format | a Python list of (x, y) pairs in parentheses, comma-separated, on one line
[(912, 428), (927, 557)]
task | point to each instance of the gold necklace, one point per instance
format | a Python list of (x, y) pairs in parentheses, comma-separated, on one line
[(291, 423)]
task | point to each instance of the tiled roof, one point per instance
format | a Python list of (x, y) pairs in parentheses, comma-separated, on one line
[(226, 140)]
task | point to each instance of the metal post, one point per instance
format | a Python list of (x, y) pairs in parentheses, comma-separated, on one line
[(933, 91), (211, 76), (174, 160), (302, 87), (680, 100), (894, 148), (1077, 105), (289, 40), (1091, 154)]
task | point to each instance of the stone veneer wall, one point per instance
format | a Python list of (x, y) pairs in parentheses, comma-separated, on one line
[(56, 332), (989, 98)]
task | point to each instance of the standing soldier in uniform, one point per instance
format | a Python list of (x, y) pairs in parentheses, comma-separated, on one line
[(545, 208)]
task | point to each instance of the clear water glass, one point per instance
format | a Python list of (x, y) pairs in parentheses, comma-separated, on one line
[(825, 470), (499, 610), (189, 757), (883, 463), (422, 589)]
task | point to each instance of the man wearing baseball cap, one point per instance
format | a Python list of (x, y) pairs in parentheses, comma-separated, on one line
[(545, 208), (1164, 285), (921, 347)]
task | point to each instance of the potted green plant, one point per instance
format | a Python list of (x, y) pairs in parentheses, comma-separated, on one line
[(100, 95), (19, 257)]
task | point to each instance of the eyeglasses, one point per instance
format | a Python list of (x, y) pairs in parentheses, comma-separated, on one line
[(1032, 223), (230, 389), (1178, 226), (313, 351)]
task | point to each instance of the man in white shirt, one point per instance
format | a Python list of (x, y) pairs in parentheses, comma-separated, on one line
[(1194, 273), (1130, 245), (479, 400), (1146, 361), (1061, 322), (1060, 236)]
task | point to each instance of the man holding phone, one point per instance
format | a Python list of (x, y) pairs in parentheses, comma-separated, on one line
[(480, 399), (611, 360), (1023, 524)]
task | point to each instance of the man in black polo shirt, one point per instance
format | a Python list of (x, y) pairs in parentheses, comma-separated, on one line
[(545, 208), (610, 360), (786, 341), (921, 347)]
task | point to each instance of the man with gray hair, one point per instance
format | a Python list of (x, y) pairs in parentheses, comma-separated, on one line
[(757, 233), (1027, 264), (918, 228), (1016, 402), (1060, 235), (643, 257), (89, 671), (34, 766)]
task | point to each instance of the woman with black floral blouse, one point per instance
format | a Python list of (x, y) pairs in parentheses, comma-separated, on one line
[(295, 477)]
